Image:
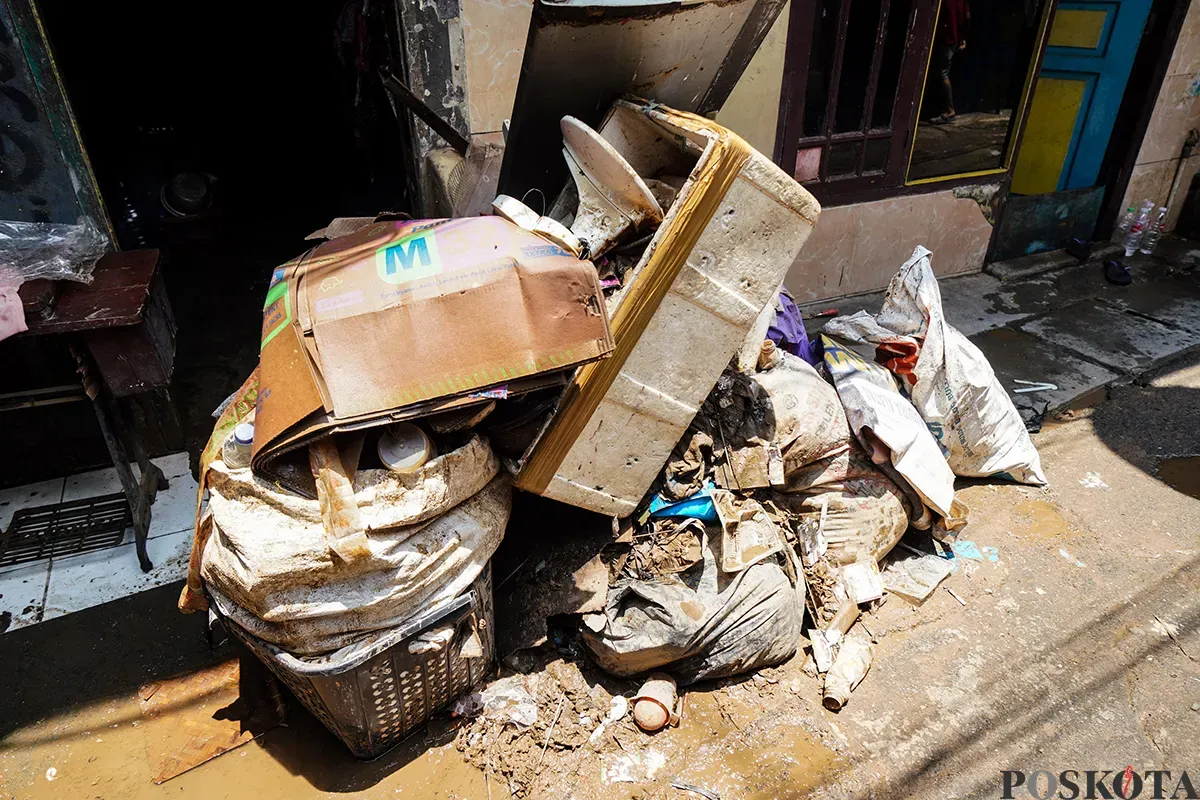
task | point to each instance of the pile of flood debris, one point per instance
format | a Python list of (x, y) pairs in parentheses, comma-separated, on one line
[(774, 525), (632, 354)]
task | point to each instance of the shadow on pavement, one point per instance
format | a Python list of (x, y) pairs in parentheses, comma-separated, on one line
[(1156, 428)]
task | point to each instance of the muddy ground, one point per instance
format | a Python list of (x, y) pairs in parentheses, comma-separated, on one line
[(1076, 649)]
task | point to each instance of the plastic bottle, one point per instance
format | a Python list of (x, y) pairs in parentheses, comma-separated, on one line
[(236, 450), (405, 448), (849, 668), (1125, 223), (1133, 239), (1154, 232)]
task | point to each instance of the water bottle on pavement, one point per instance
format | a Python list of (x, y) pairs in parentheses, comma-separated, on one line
[(1154, 232), (1133, 239), (1125, 223)]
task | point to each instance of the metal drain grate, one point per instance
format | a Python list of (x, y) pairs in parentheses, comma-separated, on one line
[(64, 529)]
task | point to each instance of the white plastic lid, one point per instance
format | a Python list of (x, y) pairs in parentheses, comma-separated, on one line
[(244, 433), (404, 447)]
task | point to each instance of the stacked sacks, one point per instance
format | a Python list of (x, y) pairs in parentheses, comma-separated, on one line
[(430, 533)]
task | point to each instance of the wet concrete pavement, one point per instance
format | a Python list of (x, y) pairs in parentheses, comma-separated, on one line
[(1078, 648)]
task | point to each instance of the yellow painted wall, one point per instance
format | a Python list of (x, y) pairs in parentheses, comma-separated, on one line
[(752, 110), (1048, 135)]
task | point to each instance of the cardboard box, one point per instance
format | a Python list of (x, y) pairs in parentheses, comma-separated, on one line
[(718, 258), (402, 318)]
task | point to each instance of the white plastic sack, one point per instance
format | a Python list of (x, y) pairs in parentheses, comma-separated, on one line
[(697, 627), (880, 414), (951, 383), (430, 534)]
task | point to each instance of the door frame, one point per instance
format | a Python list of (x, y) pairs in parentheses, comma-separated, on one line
[(1154, 54), (1150, 65)]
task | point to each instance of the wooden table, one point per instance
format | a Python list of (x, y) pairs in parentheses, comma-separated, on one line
[(122, 334)]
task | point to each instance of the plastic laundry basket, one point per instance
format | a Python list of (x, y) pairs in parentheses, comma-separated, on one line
[(374, 693)]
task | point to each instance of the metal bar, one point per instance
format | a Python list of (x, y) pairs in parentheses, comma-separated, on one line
[(922, 20), (852, 136), (417, 106), (756, 27), (797, 61), (835, 77), (34, 398), (873, 80)]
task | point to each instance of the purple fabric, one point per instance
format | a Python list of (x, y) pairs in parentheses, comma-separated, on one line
[(788, 332)]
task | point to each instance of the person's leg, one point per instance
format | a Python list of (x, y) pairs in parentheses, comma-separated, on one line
[(948, 59), (945, 55)]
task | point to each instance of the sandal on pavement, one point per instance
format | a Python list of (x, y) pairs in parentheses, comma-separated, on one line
[(1116, 272)]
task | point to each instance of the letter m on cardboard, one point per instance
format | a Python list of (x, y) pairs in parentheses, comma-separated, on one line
[(408, 259)]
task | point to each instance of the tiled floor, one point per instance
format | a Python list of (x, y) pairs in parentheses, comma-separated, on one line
[(30, 593)]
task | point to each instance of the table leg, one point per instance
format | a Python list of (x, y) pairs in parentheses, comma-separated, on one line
[(139, 493)]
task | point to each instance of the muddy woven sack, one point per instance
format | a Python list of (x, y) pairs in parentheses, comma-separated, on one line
[(430, 533), (700, 624), (950, 382), (864, 511), (810, 423)]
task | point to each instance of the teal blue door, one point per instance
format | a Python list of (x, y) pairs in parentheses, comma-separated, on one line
[(1089, 54)]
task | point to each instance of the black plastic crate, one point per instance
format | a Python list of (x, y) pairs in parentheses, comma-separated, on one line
[(373, 694)]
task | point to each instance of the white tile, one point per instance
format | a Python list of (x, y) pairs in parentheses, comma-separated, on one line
[(91, 484), (175, 509), (22, 589), (83, 581), (30, 495)]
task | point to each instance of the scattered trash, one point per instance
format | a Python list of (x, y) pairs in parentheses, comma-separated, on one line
[(698, 506), (405, 448), (669, 546), (632, 767), (1117, 272), (1165, 629), (1033, 412), (954, 594), (709, 793), (505, 700), (51, 773), (1092, 480), (849, 668), (787, 330), (616, 713), (862, 582), (1062, 552), (915, 577), (656, 703), (747, 533), (1031, 386), (964, 548), (822, 649)]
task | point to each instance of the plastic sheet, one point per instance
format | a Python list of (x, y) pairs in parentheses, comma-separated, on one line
[(32, 250)]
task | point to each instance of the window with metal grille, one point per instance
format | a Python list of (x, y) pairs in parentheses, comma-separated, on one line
[(852, 81)]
